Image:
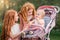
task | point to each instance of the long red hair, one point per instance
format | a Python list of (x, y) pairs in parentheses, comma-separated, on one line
[(25, 8), (8, 22), (23, 12)]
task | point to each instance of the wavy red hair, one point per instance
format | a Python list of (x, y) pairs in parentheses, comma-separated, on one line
[(23, 13), (8, 22), (25, 8)]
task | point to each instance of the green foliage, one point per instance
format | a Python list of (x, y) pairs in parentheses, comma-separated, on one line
[(55, 34)]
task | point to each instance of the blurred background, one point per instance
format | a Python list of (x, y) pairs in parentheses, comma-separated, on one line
[(17, 4)]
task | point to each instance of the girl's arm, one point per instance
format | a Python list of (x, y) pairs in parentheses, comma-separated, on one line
[(26, 26), (13, 36)]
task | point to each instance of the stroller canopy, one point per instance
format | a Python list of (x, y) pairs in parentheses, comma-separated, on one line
[(54, 9)]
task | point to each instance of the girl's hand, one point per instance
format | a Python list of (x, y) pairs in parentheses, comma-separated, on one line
[(31, 22)]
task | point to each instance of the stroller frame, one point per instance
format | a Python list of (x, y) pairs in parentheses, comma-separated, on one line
[(52, 23)]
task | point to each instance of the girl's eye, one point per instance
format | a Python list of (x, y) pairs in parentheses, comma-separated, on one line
[(29, 12)]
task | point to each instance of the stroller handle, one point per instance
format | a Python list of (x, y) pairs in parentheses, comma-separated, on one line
[(57, 8)]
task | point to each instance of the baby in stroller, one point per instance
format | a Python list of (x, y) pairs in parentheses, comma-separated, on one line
[(40, 18)]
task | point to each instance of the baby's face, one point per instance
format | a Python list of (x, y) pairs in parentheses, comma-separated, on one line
[(40, 13)]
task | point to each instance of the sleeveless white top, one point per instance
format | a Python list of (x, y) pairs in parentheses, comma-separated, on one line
[(15, 30)]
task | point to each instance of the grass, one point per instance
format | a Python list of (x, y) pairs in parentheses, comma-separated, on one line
[(55, 35)]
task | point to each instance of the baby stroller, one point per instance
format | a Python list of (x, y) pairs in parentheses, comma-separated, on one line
[(49, 25), (50, 18)]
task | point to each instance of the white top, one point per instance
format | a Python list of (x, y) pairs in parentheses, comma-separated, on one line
[(15, 29)]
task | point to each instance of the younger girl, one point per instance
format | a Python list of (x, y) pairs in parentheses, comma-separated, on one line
[(10, 27)]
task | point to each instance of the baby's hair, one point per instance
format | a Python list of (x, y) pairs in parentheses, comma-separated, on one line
[(41, 12)]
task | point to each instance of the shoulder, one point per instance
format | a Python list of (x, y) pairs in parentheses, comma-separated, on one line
[(15, 29)]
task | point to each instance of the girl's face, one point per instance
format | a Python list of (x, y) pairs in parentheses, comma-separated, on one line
[(30, 12), (16, 16)]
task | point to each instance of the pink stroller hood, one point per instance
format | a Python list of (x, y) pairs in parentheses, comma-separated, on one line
[(54, 9), (46, 6)]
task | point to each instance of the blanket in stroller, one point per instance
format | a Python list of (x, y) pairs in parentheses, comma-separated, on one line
[(33, 33)]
